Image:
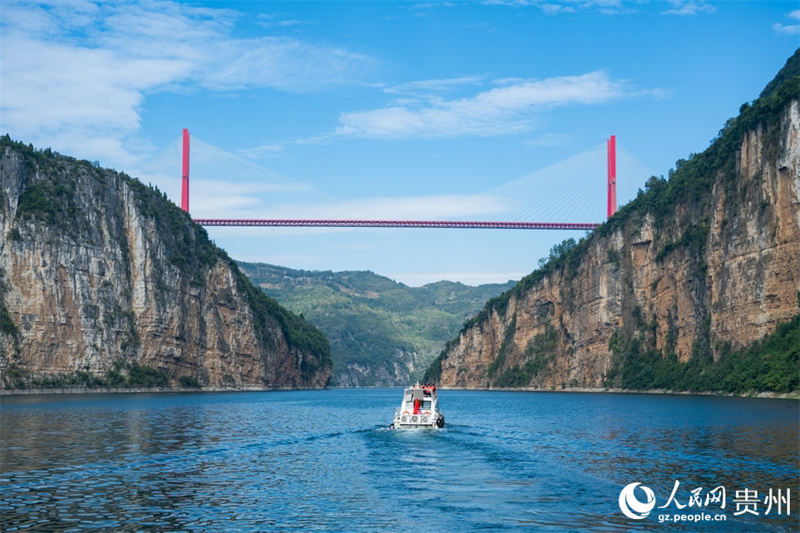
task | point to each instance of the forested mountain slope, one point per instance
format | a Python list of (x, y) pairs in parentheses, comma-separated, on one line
[(683, 288), (106, 283), (381, 332)]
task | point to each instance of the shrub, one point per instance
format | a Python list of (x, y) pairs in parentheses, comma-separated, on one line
[(146, 377), (189, 382), (771, 364)]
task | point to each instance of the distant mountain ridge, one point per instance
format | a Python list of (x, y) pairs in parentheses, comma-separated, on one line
[(382, 333)]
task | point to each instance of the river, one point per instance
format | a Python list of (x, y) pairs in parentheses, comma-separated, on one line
[(326, 461)]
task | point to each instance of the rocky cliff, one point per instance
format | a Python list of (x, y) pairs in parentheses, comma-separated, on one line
[(104, 282), (697, 267)]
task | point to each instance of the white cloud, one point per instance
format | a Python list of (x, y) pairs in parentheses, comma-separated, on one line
[(78, 99), (269, 20), (430, 5), (549, 139), (76, 74), (436, 207), (282, 63), (424, 87), (554, 7), (481, 26), (202, 206), (241, 194), (250, 191), (688, 7), (509, 109), (564, 192), (237, 204), (262, 151), (221, 203), (790, 29)]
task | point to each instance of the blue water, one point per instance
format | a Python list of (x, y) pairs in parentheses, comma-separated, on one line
[(325, 461)]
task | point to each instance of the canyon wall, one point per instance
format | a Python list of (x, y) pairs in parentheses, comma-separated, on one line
[(697, 266), (100, 273)]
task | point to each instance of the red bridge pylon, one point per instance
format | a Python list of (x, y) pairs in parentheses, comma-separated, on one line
[(612, 208)]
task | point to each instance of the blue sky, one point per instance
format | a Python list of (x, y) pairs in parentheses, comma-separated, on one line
[(387, 110)]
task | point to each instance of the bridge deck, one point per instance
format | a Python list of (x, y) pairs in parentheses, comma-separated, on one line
[(396, 224)]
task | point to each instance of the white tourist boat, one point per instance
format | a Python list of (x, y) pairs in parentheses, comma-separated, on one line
[(420, 409)]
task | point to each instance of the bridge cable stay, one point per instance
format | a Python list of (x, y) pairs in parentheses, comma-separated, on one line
[(219, 162), (559, 192), (236, 191), (571, 190)]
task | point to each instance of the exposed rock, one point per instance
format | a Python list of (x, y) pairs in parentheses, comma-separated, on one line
[(98, 270), (717, 268)]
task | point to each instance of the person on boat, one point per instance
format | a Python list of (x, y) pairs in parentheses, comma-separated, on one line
[(416, 406)]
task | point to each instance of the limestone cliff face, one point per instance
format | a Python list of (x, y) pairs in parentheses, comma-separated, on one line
[(99, 270), (703, 263)]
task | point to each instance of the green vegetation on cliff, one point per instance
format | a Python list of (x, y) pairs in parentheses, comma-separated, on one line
[(374, 323), (55, 194), (7, 325), (767, 365), (191, 250), (689, 185), (566, 255), (770, 364), (679, 212), (121, 376), (299, 333), (539, 354)]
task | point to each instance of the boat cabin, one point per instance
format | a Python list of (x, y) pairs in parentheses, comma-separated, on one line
[(419, 401), (420, 408)]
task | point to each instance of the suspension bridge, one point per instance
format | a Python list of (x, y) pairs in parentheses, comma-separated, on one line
[(574, 190)]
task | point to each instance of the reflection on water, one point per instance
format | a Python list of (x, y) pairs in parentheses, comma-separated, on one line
[(324, 461)]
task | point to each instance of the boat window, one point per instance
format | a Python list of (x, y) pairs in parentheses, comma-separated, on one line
[(426, 405)]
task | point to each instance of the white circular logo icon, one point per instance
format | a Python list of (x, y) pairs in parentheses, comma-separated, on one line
[(632, 507)]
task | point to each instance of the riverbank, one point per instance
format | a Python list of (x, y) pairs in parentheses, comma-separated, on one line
[(795, 395), (84, 390)]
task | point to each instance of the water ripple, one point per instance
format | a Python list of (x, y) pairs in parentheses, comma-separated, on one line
[(325, 461)]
